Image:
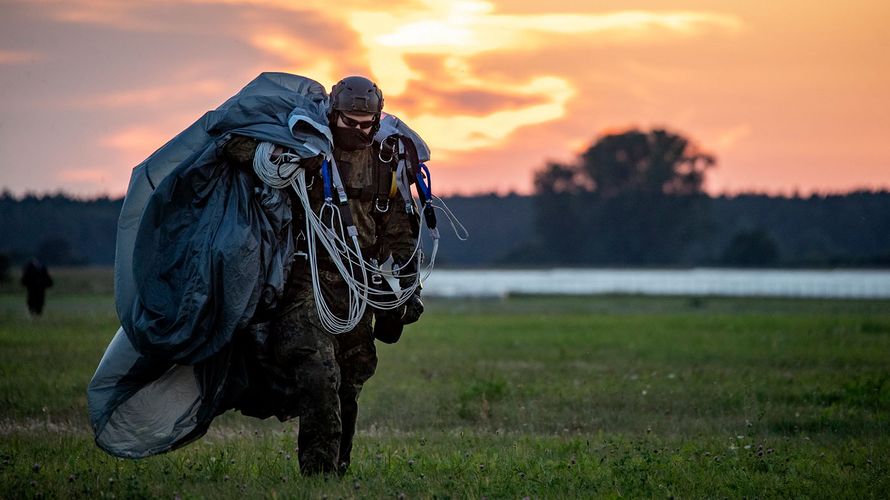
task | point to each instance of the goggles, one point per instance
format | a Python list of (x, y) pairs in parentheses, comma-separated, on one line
[(349, 122)]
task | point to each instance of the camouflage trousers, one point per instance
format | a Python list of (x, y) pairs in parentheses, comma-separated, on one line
[(324, 375)]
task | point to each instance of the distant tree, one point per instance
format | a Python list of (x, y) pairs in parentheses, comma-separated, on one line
[(633, 198), (752, 248), (655, 162), (57, 251), (557, 179)]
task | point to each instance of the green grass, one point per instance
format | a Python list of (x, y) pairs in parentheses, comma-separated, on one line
[(530, 396)]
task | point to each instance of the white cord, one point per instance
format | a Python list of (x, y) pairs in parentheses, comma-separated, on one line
[(459, 230), (336, 246), (279, 168), (278, 173)]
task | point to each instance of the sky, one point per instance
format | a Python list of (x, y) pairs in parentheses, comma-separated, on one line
[(790, 96)]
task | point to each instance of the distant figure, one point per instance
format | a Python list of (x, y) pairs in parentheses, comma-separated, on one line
[(36, 279)]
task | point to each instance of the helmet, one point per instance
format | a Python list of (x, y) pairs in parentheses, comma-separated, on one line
[(356, 94)]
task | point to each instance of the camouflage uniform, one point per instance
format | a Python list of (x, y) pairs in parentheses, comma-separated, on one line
[(322, 374)]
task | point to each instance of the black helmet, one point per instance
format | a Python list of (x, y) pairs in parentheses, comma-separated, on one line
[(356, 94)]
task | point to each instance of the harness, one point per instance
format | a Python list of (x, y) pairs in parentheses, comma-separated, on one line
[(331, 230), (382, 190), (400, 153)]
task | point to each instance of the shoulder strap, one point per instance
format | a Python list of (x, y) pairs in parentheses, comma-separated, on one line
[(416, 177)]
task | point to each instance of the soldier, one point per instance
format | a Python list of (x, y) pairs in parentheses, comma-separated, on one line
[(36, 279), (322, 374)]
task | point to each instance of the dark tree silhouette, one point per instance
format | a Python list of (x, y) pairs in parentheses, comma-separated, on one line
[(752, 248), (633, 198), (655, 162), (557, 178), (57, 251)]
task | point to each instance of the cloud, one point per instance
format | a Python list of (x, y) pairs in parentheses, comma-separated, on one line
[(654, 73), (83, 175), (440, 43), (136, 141), (625, 23), (462, 106), (300, 57), (152, 96), (19, 56), (423, 98), (342, 5), (448, 133), (474, 80), (465, 28), (102, 12), (728, 138)]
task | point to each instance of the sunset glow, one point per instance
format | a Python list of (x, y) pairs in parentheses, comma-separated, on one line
[(790, 96)]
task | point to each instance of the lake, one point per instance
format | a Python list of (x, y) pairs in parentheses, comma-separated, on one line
[(733, 282)]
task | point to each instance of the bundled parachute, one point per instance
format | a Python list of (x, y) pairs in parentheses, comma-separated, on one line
[(202, 250)]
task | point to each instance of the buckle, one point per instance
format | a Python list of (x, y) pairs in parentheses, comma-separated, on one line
[(392, 149), (382, 208)]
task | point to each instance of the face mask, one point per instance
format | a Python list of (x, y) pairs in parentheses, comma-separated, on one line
[(351, 139)]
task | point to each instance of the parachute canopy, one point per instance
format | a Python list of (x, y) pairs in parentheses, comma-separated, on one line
[(201, 248)]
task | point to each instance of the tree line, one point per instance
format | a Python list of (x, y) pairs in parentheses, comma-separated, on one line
[(631, 199), (636, 199)]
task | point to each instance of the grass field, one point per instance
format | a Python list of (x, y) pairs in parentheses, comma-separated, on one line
[(530, 396)]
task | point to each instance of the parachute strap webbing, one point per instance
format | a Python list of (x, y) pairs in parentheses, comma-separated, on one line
[(385, 185), (424, 190), (337, 181), (361, 194), (393, 185), (342, 200), (400, 148)]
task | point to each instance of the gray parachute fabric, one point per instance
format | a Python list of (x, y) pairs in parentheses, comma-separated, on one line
[(392, 125), (202, 248)]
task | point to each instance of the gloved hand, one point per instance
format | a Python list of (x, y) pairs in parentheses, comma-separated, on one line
[(387, 326), (413, 309)]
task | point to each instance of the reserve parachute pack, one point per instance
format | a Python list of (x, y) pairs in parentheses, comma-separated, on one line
[(202, 249)]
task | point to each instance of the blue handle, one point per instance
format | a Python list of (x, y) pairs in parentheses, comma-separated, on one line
[(427, 186), (326, 180)]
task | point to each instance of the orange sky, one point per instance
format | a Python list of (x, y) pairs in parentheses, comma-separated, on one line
[(792, 95)]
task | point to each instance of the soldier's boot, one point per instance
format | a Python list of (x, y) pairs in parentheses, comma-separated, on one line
[(318, 441), (320, 425), (349, 412)]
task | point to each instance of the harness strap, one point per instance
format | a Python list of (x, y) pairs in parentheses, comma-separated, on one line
[(382, 189), (365, 194), (423, 191), (338, 183), (360, 194)]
